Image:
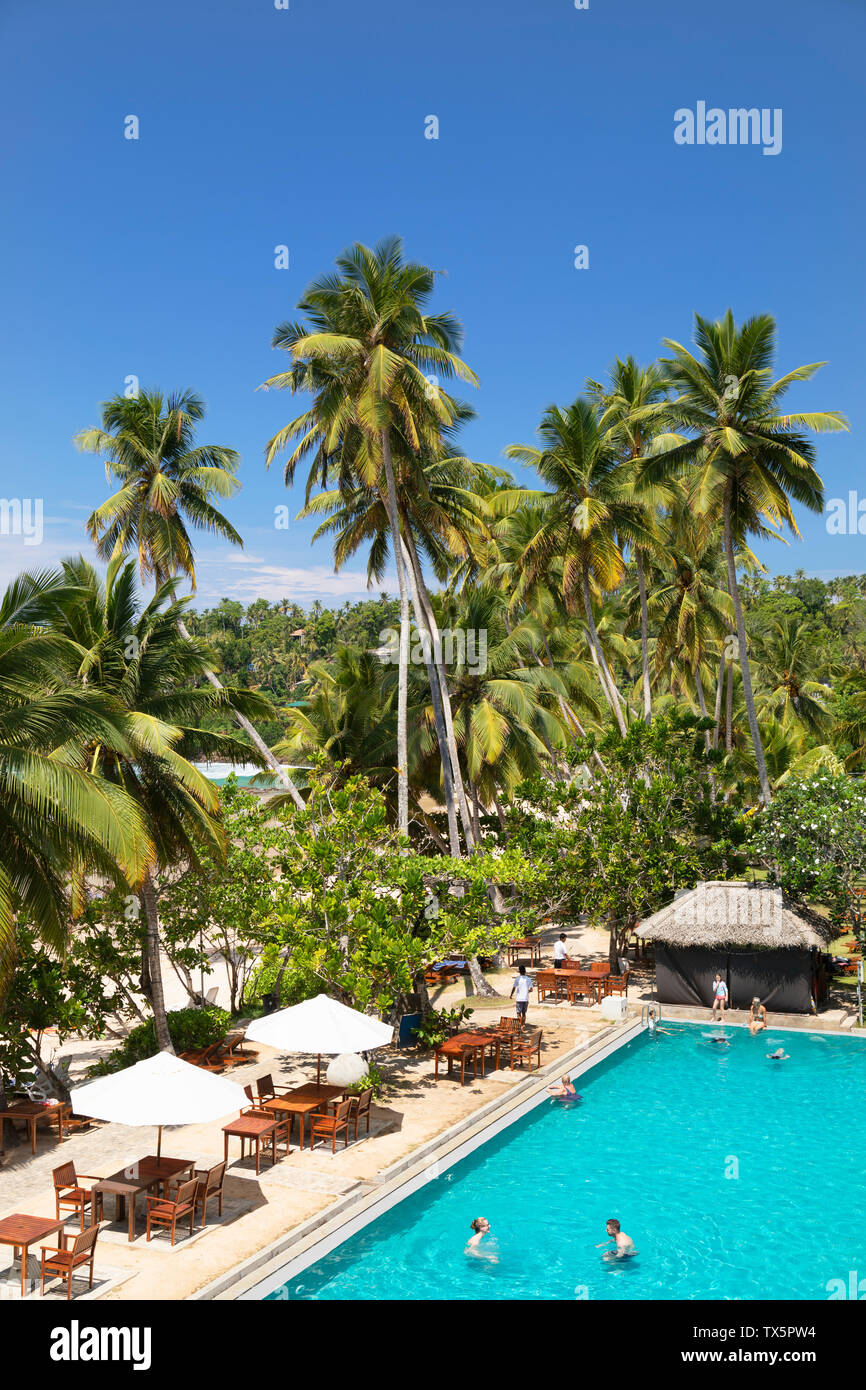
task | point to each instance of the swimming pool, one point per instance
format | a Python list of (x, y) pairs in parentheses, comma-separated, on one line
[(736, 1177)]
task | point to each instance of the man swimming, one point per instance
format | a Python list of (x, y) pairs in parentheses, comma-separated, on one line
[(780, 1055), (623, 1244)]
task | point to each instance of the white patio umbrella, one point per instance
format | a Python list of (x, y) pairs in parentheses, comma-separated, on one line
[(161, 1090), (320, 1025)]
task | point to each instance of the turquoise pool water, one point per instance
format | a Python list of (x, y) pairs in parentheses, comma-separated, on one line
[(736, 1177)]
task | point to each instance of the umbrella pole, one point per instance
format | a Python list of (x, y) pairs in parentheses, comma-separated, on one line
[(319, 1070), (159, 1143)]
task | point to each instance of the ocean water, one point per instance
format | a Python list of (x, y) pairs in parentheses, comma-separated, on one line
[(736, 1177)]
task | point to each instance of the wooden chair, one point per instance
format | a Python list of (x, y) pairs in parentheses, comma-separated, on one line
[(360, 1108), (266, 1090), (331, 1124), (166, 1211), (58, 1263), (525, 1047), (597, 967), (210, 1183), (510, 1025), (68, 1191), (616, 984), (283, 1121), (545, 983)]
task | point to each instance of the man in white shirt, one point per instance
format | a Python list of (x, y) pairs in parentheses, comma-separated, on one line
[(521, 987), (559, 952)]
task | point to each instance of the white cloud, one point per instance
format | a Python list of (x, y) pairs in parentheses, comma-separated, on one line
[(248, 577)]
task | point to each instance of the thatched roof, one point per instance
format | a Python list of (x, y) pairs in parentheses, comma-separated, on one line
[(735, 914)]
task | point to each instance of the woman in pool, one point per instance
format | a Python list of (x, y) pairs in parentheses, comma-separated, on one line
[(480, 1228), (757, 1016), (565, 1090)]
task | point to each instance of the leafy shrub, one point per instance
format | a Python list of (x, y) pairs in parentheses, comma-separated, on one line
[(440, 1024), (188, 1029), (374, 1079)]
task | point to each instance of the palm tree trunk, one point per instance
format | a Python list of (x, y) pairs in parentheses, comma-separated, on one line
[(729, 710), (718, 711), (438, 715), (252, 734), (748, 696), (702, 704), (644, 639), (608, 685), (157, 997), (403, 681), (424, 609)]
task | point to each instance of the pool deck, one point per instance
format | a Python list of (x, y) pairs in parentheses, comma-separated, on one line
[(307, 1190)]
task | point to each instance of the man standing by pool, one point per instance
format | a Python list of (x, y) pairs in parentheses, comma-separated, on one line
[(521, 987), (720, 996)]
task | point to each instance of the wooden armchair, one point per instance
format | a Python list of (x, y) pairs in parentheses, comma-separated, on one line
[(257, 1107), (59, 1263), (68, 1191), (331, 1124), (525, 1047), (510, 1025), (167, 1211), (360, 1108), (616, 984), (266, 1090), (209, 1184)]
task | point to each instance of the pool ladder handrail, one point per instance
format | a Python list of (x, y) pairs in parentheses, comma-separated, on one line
[(645, 1013)]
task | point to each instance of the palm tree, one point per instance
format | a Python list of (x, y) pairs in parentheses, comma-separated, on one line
[(140, 659), (58, 819), (786, 659), (362, 356), (168, 483), (634, 407), (592, 512), (751, 459)]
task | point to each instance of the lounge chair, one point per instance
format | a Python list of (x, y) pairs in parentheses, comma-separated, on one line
[(206, 1057), (58, 1263), (68, 1191), (524, 1048), (167, 1211), (331, 1124)]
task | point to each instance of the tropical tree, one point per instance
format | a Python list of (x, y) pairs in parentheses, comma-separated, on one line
[(786, 659), (58, 818), (753, 461), (363, 355), (139, 658), (168, 484), (592, 512)]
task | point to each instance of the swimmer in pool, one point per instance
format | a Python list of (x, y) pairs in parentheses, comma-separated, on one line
[(623, 1244), (778, 1056), (565, 1090), (480, 1228)]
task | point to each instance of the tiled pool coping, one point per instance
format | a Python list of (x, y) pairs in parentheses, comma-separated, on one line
[(310, 1241)]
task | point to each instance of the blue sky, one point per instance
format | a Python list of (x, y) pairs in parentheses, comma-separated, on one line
[(305, 127)]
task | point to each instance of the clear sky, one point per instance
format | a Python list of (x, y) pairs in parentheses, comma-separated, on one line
[(306, 127)]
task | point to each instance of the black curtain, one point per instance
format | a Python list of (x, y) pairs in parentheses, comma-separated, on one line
[(782, 979)]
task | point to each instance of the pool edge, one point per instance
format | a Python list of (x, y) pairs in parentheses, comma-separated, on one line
[(316, 1237)]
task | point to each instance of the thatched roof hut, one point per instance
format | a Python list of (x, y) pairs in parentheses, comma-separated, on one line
[(751, 933)]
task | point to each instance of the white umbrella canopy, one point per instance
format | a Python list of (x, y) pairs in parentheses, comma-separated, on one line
[(320, 1025), (161, 1090)]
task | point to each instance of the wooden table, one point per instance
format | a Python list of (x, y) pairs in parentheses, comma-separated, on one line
[(19, 1231), (557, 981), (466, 1044), (303, 1101), (32, 1112), (131, 1181), (255, 1128), (531, 944)]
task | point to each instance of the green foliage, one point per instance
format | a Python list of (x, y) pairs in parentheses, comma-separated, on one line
[(374, 1079), (439, 1024), (812, 841), (188, 1028)]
